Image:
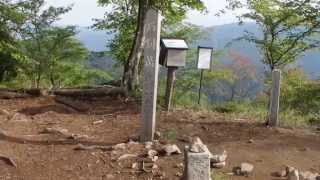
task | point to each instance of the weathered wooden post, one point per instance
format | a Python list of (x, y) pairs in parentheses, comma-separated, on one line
[(151, 67), (275, 98), (173, 55), (171, 78)]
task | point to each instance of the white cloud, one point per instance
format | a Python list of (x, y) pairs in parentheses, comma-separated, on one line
[(210, 18), (82, 13), (85, 10)]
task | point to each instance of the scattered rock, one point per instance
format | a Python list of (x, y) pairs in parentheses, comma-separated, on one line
[(251, 141), (293, 174), (246, 169), (127, 156), (179, 174), (219, 158), (97, 122), (78, 136), (155, 158), (218, 165), (131, 143), (205, 128), (157, 135), (307, 175), (152, 153), (56, 131), (148, 145), (134, 165), (281, 174), (110, 176), (179, 166), (121, 146), (197, 146), (171, 149), (155, 166), (289, 169)]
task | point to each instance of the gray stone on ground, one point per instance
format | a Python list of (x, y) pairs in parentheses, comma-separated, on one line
[(152, 153), (171, 149), (121, 146), (219, 158), (127, 156), (110, 176), (282, 173), (307, 175), (246, 169), (197, 146), (148, 145), (293, 174), (218, 165), (157, 135)]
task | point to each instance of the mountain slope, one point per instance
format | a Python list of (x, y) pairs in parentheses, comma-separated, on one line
[(218, 37)]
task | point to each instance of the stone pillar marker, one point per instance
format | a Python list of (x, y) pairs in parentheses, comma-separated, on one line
[(151, 67), (197, 165), (275, 98)]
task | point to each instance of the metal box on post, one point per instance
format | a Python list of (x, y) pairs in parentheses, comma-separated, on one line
[(173, 52)]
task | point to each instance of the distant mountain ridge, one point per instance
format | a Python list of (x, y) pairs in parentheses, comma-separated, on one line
[(218, 37)]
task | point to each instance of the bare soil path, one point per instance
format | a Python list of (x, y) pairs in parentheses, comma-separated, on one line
[(112, 121)]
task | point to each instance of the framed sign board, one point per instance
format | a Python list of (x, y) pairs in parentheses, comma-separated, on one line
[(173, 52), (205, 57)]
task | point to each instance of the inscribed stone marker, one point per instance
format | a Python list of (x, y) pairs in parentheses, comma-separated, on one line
[(151, 66), (275, 98), (197, 165)]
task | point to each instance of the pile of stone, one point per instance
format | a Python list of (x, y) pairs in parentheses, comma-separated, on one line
[(292, 173), (245, 169), (216, 161), (141, 157)]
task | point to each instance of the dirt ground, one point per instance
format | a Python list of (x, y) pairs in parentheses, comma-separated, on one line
[(112, 121)]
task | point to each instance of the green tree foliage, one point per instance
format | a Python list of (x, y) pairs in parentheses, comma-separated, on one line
[(299, 92), (47, 55), (289, 27), (126, 21), (35, 52), (11, 18)]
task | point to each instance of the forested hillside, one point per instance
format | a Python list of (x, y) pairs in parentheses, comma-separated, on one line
[(218, 37)]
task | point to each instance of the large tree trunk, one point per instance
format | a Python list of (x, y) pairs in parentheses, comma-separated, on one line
[(131, 70)]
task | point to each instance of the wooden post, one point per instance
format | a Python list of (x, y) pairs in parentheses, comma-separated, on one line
[(151, 67), (171, 79), (200, 87), (275, 98)]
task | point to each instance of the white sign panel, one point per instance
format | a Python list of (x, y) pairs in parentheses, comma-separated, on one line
[(176, 58), (204, 59)]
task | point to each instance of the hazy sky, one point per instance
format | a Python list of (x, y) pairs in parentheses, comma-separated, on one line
[(85, 10)]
